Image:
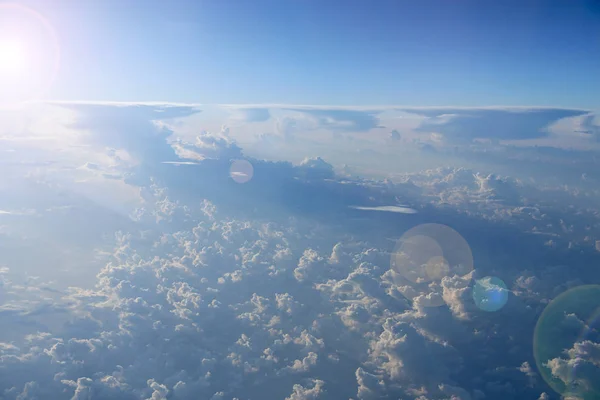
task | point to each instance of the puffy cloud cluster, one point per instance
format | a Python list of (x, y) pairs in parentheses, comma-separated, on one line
[(222, 308), (579, 371), (207, 145), (546, 210)]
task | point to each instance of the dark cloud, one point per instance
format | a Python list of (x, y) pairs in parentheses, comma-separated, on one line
[(466, 124)]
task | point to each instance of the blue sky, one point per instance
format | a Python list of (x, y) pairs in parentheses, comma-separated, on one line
[(459, 53)]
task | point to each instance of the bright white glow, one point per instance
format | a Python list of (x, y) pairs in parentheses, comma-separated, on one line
[(29, 55), (13, 58)]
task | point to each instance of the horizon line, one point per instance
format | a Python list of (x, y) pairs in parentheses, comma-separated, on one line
[(381, 107)]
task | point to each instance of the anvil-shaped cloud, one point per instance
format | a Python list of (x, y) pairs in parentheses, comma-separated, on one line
[(495, 123)]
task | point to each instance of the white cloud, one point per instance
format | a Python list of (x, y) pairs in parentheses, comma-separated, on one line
[(395, 209), (211, 146), (314, 391)]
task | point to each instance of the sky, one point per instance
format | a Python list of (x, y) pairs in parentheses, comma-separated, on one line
[(299, 200), (464, 53)]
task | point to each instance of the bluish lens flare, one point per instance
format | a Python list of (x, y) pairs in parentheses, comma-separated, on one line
[(490, 294)]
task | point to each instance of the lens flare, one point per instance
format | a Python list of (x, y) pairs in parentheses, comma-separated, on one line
[(427, 253), (567, 341), (241, 171), (490, 293)]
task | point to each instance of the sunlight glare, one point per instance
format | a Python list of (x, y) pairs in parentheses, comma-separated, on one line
[(29, 55), (13, 58)]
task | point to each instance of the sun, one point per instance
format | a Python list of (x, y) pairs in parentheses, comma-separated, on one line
[(29, 55)]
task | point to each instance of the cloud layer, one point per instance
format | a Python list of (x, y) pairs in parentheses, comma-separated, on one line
[(282, 287)]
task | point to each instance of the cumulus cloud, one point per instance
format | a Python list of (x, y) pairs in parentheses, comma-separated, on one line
[(590, 125), (138, 130), (207, 145), (316, 168), (579, 370), (223, 285), (314, 391)]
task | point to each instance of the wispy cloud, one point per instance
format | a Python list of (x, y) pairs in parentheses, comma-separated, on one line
[(394, 209)]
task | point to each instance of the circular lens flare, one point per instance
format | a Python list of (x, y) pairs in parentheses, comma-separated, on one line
[(436, 268), (566, 340), (241, 171), (490, 293), (424, 256), (429, 252)]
